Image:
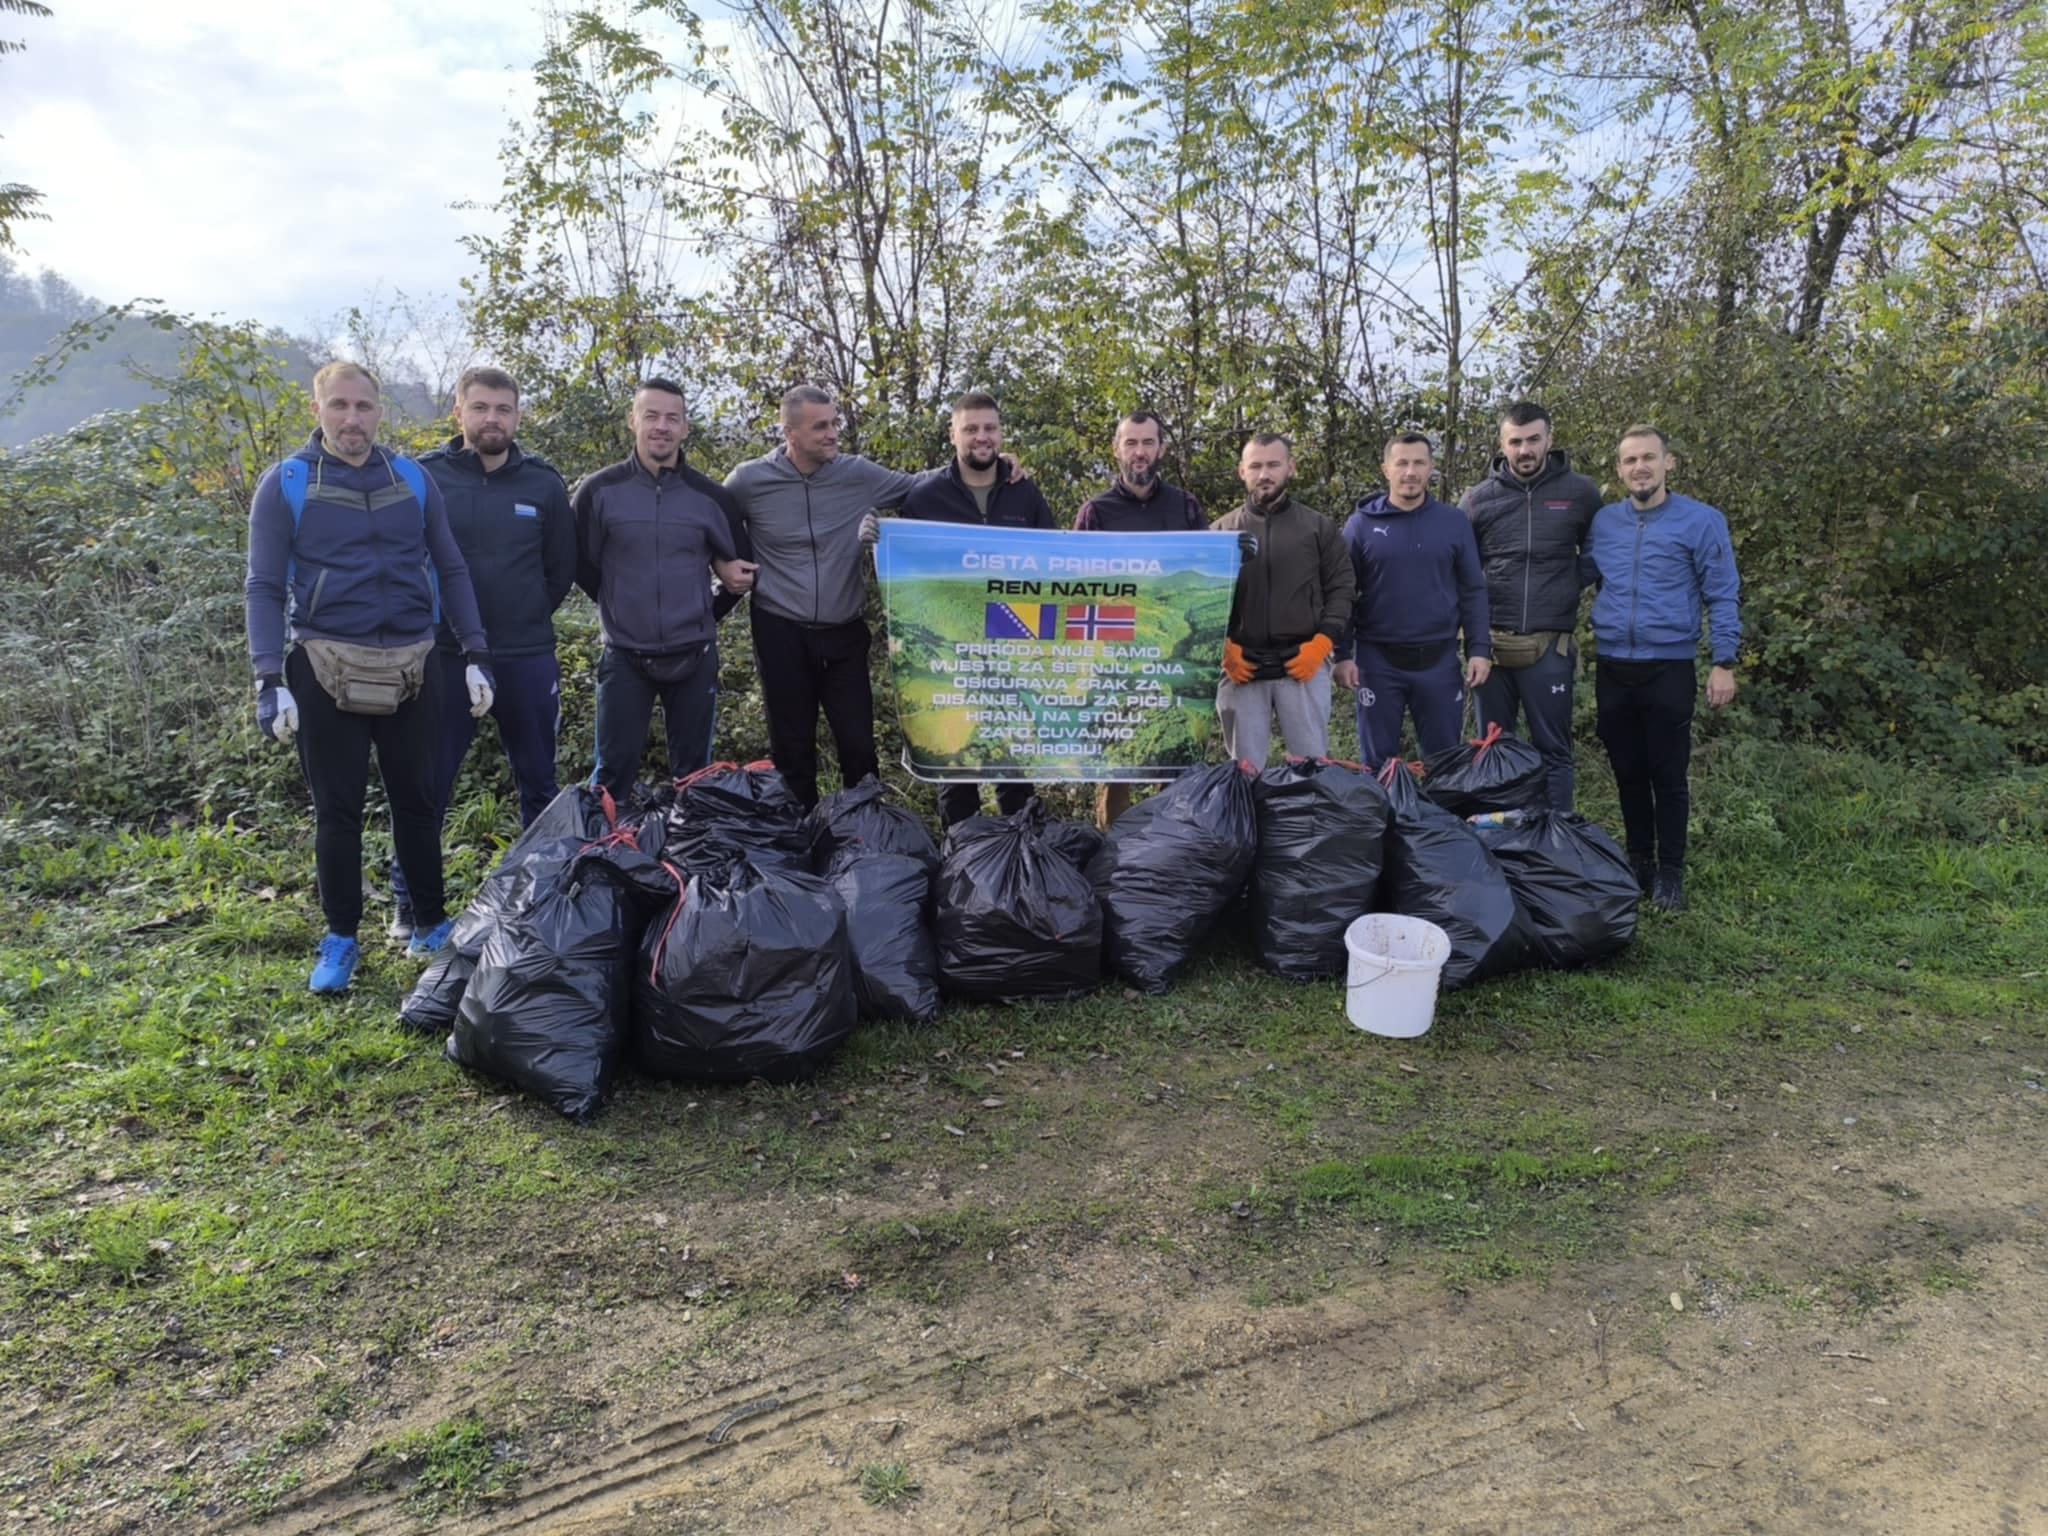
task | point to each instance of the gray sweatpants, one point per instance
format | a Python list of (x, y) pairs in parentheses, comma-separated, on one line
[(1247, 710)]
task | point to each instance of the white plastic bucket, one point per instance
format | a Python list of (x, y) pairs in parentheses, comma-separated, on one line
[(1390, 988)]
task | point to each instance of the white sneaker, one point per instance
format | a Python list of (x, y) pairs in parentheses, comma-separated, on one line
[(401, 927)]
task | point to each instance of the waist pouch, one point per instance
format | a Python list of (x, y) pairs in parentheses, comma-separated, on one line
[(1269, 663), (368, 679), (663, 668), (1512, 650), (1414, 658)]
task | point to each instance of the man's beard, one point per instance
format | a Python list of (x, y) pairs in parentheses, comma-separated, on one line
[(491, 440), (1138, 479), (979, 462), (1271, 498)]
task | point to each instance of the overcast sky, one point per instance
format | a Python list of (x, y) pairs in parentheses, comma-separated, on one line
[(268, 159)]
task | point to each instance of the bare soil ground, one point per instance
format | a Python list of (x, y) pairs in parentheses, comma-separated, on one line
[(1835, 1320)]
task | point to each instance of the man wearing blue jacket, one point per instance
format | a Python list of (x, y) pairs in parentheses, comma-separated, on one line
[(346, 541), (1659, 559), (510, 514), (1418, 584), (650, 533)]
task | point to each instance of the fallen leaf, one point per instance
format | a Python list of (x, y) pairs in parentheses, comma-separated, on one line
[(954, 1130), (991, 1103), (1677, 1302)]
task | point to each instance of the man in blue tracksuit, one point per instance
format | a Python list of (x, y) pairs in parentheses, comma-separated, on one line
[(349, 552), (1418, 584), (1531, 516), (509, 512), (1659, 559)]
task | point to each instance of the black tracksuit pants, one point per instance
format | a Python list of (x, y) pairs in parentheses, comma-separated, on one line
[(1645, 712), (334, 754), (806, 667)]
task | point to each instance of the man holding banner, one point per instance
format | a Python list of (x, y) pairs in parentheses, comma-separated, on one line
[(971, 489), (1290, 608), (1136, 501)]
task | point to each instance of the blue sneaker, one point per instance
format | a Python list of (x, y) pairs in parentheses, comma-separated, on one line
[(430, 941), (337, 967)]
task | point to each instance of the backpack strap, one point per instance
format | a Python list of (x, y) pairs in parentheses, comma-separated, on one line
[(291, 481), (415, 479)]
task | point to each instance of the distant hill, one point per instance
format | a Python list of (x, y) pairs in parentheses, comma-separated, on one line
[(35, 310)]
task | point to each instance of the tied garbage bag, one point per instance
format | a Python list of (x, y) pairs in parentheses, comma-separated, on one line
[(1494, 772), (895, 961), (748, 975), (1074, 841), (1577, 893), (1437, 869), (1015, 918), (725, 812), (574, 820), (546, 1009), (861, 818), (1322, 830), (1169, 867)]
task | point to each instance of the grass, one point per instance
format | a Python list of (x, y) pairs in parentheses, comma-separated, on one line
[(204, 1171), (887, 1484)]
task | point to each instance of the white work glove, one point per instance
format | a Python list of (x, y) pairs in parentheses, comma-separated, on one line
[(870, 529), (481, 691), (277, 712)]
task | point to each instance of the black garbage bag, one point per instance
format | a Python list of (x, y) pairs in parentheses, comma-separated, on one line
[(546, 1010), (725, 812), (1437, 869), (862, 818), (1015, 919), (1074, 841), (1495, 772), (895, 959), (1322, 831), (1169, 868), (1577, 893), (748, 975), (430, 1007)]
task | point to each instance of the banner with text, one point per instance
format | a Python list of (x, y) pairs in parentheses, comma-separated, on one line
[(1020, 654)]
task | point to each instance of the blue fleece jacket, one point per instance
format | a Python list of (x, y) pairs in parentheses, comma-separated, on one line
[(1419, 579), (356, 568), (1656, 570)]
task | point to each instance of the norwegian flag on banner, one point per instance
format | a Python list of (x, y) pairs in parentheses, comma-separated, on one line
[(1099, 622)]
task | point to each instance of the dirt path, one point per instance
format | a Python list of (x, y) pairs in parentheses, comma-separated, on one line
[(1860, 1349)]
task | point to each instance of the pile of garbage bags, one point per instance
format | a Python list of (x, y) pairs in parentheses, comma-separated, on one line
[(715, 932)]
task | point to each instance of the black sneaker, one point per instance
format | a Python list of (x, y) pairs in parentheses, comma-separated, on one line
[(1669, 893), (402, 924), (1646, 874)]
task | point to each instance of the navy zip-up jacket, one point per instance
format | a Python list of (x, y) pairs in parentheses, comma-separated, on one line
[(645, 544), (1656, 571), (1531, 533), (1418, 574), (945, 498), (1169, 509), (357, 567), (518, 537)]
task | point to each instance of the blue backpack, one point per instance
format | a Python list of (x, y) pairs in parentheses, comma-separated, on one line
[(291, 480)]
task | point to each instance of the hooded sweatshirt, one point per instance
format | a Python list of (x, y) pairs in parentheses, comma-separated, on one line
[(518, 537), (1530, 534), (805, 531), (359, 567), (1418, 577)]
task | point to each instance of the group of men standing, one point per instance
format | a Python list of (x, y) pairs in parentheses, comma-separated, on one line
[(403, 587)]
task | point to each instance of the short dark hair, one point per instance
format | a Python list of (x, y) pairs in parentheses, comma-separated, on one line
[(1404, 439), (1142, 416), (796, 399), (485, 378), (660, 385), (1268, 439), (1644, 429), (977, 400), (1524, 413)]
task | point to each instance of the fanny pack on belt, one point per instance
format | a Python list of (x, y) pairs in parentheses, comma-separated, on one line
[(1414, 658), (368, 679), (1512, 650), (664, 667)]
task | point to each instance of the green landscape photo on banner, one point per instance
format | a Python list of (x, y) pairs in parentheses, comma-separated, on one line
[(1026, 655)]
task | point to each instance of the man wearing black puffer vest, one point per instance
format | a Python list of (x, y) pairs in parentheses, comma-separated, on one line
[(1531, 517)]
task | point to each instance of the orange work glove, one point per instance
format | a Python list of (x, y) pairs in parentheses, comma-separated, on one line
[(1235, 667), (1306, 662)]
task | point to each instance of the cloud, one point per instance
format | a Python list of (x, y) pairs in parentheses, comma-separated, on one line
[(264, 158)]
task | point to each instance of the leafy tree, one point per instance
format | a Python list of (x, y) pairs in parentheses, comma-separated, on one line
[(17, 202)]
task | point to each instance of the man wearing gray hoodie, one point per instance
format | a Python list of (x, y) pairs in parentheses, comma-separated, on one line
[(807, 509)]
